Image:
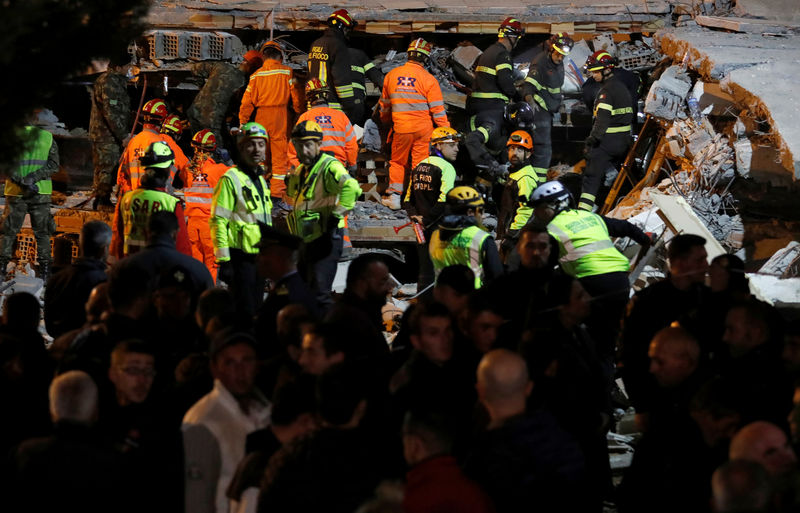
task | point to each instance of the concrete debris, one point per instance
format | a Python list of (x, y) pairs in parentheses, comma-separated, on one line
[(744, 156), (371, 213), (372, 137), (637, 55), (465, 54), (666, 97), (775, 290), (712, 100), (784, 263)]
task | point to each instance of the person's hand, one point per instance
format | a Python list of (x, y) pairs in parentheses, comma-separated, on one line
[(416, 219)]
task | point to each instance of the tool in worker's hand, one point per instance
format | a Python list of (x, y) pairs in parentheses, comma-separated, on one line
[(419, 231), (398, 228)]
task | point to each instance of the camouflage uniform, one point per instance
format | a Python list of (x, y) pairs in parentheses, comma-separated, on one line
[(21, 201), (109, 125), (212, 104)]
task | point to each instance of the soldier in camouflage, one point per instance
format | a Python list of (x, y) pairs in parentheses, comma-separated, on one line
[(109, 126), (213, 103)]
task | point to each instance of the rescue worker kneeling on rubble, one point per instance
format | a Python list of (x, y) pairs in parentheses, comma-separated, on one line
[(462, 239), (587, 253), (201, 179), (135, 207), (241, 201), (322, 193), (515, 209), (427, 191), (610, 137)]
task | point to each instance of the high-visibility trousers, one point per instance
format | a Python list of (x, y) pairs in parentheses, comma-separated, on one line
[(274, 121), (414, 145), (200, 240)]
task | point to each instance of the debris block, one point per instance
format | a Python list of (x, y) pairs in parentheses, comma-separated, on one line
[(744, 155), (710, 94), (666, 96), (784, 262), (466, 54)]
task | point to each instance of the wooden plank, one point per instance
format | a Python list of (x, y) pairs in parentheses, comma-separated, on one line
[(746, 24), (423, 26), (568, 27), (378, 27), (217, 21), (537, 28)]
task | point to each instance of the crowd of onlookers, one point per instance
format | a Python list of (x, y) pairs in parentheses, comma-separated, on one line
[(156, 395)]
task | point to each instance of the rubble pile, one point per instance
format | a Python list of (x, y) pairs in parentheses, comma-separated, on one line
[(372, 213)]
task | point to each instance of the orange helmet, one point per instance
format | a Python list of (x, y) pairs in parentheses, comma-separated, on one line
[(172, 125), (419, 47), (520, 138), (270, 46), (341, 18), (204, 140), (155, 110), (510, 27), (254, 57)]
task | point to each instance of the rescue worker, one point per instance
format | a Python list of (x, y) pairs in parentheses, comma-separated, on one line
[(171, 130), (461, 238), (542, 90), (515, 210), (202, 177), (322, 192), (265, 101), (412, 101), (211, 106), (587, 253), (610, 137), (135, 207), (632, 81), (427, 191), (130, 171), (362, 67), (493, 86), (338, 136), (28, 190), (329, 61), (109, 125), (241, 201), (486, 151)]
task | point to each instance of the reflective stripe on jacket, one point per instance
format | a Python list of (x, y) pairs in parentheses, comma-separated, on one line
[(544, 81), (613, 113), (412, 100), (522, 182), (493, 77), (270, 86), (338, 136), (199, 190), (324, 191), (585, 248), (32, 160), (236, 210), (464, 248), (130, 171)]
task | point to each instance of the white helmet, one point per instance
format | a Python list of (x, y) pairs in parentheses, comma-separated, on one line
[(553, 193)]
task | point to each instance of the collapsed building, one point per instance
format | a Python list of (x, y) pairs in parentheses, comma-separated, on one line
[(719, 152)]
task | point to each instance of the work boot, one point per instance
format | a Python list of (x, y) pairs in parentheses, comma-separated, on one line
[(392, 201)]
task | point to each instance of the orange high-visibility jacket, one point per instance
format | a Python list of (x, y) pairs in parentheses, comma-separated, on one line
[(270, 86), (412, 99), (199, 190), (130, 172), (338, 136)]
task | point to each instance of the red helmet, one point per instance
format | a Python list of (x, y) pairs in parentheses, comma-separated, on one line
[(420, 47), (341, 18), (510, 27), (598, 61), (204, 140), (561, 43), (172, 125), (155, 110)]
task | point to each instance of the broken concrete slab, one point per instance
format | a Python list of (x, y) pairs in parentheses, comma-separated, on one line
[(750, 25), (784, 10), (666, 95), (784, 262), (766, 90), (712, 100), (680, 218), (760, 73), (774, 290)]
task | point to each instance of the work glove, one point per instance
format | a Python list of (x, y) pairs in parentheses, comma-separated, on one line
[(225, 272)]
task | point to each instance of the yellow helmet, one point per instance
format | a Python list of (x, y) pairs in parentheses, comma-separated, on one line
[(444, 134), (464, 196), (307, 130)]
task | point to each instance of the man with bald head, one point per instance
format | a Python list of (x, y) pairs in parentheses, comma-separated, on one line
[(524, 460), (675, 365), (764, 443)]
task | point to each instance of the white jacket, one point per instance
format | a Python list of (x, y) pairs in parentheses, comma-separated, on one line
[(214, 433)]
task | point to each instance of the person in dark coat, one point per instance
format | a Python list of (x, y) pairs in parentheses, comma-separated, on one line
[(524, 460), (160, 254), (277, 262), (68, 290), (71, 470)]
